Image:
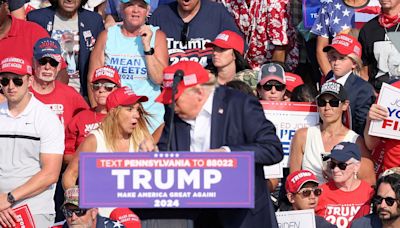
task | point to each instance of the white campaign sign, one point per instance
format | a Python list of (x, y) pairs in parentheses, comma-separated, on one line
[(298, 219), (389, 97)]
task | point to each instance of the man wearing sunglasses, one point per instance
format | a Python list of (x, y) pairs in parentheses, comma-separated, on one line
[(80, 217), (303, 193), (271, 84), (386, 202), (32, 146), (62, 99)]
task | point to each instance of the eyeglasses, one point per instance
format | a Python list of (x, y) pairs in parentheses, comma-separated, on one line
[(332, 102), (44, 61), (107, 85), (278, 87), (69, 212), (341, 165), (389, 200), (185, 33), (306, 192), (17, 81)]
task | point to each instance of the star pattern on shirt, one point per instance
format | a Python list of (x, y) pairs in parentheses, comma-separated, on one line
[(336, 20), (346, 13)]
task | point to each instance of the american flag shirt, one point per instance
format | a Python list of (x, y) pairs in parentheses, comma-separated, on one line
[(335, 17)]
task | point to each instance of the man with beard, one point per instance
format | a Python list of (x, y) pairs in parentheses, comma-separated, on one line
[(386, 202)]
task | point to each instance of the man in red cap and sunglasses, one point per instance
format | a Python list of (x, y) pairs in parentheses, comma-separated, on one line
[(32, 147), (218, 119)]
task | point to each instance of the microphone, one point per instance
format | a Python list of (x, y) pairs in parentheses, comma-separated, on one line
[(126, 217), (178, 77)]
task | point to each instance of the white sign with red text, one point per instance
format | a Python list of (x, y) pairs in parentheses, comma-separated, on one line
[(389, 97)]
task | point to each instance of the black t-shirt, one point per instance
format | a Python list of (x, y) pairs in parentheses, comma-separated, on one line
[(211, 19), (371, 33)]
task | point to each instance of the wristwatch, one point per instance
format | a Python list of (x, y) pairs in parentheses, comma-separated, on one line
[(150, 52), (10, 198)]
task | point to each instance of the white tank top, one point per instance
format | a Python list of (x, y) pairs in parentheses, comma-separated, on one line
[(314, 150), (101, 143)]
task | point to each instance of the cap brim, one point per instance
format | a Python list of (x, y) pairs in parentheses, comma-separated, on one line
[(104, 78), (330, 93), (222, 44), (270, 78), (56, 57), (134, 100), (166, 95), (305, 182)]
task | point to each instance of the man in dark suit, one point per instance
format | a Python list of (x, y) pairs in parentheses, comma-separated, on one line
[(220, 119)]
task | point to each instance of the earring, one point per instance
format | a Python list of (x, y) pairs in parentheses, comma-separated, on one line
[(355, 176)]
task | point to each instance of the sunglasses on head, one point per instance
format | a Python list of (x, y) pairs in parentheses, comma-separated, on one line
[(184, 33), (107, 86), (44, 61), (341, 165), (306, 192), (17, 81), (278, 87), (332, 102), (69, 212), (389, 200)]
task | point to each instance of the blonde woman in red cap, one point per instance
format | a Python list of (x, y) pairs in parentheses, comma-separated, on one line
[(122, 130), (227, 57), (105, 80)]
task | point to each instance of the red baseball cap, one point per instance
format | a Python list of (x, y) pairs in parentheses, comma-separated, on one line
[(292, 81), (228, 39), (297, 179), (15, 65), (107, 73), (345, 44), (123, 96), (126, 217), (193, 74)]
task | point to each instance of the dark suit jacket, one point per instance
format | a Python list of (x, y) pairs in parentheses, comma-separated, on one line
[(361, 97), (90, 25), (237, 121)]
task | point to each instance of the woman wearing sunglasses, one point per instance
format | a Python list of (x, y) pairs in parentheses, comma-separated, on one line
[(105, 80), (311, 145), (227, 57), (345, 197), (138, 52), (271, 84)]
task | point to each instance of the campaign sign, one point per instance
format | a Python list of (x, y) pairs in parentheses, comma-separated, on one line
[(310, 12), (167, 180), (287, 118), (24, 217), (389, 97), (298, 219)]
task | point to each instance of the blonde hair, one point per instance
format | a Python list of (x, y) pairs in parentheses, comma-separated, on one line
[(110, 128), (356, 60)]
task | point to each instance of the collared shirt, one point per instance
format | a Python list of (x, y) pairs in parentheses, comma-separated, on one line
[(342, 80), (200, 128)]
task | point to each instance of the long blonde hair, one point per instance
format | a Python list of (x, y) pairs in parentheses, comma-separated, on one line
[(110, 128)]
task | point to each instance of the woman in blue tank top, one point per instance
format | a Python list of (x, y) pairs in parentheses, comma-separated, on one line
[(138, 52)]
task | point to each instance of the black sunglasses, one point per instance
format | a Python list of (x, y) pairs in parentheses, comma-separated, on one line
[(332, 102), (107, 85), (278, 87), (44, 61), (341, 165), (69, 212), (185, 33), (307, 192), (17, 81), (389, 200)]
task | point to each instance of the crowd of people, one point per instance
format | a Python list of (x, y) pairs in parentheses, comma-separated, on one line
[(192, 75)]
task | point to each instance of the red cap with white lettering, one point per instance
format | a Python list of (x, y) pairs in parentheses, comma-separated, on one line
[(297, 179), (228, 39), (107, 73)]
